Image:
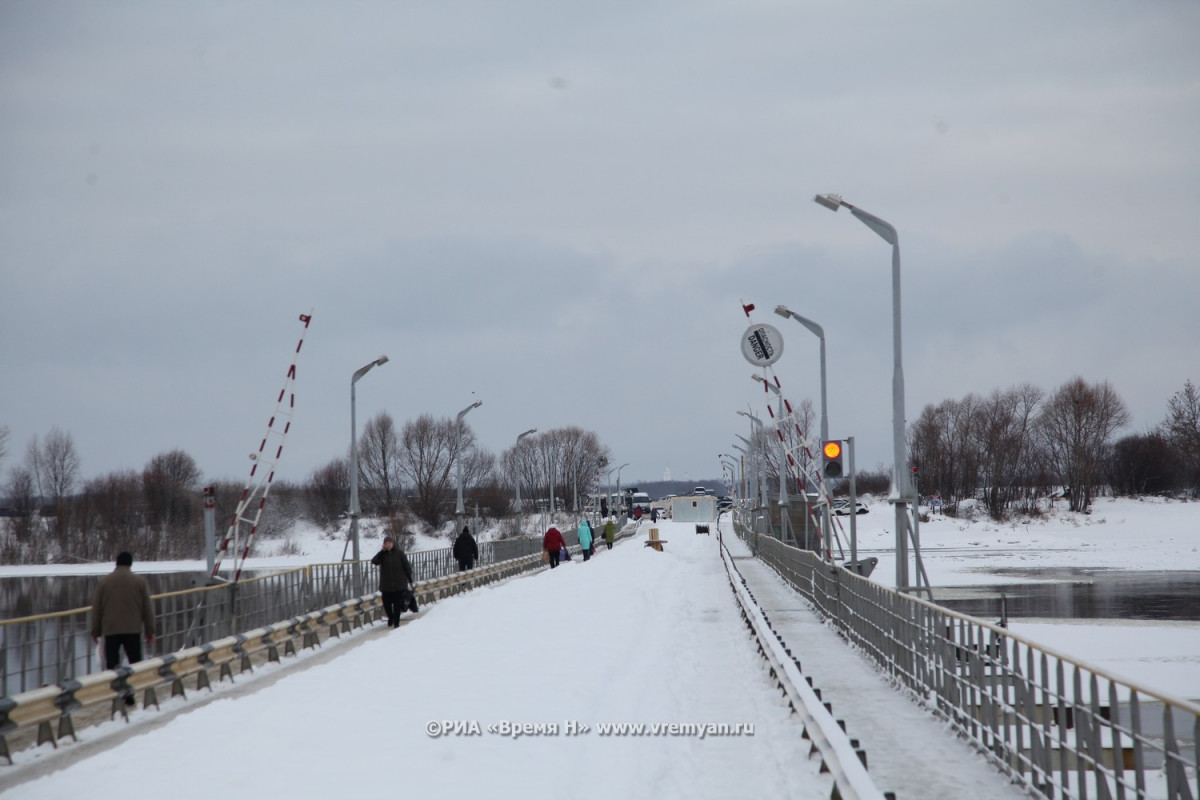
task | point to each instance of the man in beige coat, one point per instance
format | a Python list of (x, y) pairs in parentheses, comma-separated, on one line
[(121, 611)]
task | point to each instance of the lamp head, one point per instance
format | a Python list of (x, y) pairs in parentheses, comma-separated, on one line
[(831, 201), (783, 311), (379, 362)]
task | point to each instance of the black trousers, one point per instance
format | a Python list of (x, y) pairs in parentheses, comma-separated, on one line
[(131, 643), (554, 558), (393, 604), (465, 564)]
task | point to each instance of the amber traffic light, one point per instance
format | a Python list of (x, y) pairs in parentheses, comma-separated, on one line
[(832, 450)]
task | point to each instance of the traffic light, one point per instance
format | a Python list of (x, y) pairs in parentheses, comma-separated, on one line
[(832, 450)]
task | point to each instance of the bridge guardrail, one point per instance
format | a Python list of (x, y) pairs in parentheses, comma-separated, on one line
[(178, 614), (840, 756), (44, 706), (1058, 725)]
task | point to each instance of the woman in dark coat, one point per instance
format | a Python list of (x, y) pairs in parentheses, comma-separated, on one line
[(395, 578), (553, 543), (465, 550)]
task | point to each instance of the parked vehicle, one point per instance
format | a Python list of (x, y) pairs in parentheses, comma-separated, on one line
[(842, 508)]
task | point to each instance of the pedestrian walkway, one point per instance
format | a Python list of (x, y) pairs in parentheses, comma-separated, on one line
[(630, 675), (909, 750)]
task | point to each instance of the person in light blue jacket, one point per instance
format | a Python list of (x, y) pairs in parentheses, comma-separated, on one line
[(585, 539)]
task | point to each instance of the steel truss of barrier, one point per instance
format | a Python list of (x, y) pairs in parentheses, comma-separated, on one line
[(1063, 728)]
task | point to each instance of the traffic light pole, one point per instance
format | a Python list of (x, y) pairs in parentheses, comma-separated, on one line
[(853, 507)]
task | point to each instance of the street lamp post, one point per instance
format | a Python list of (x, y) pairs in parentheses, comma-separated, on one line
[(516, 447), (784, 516), (733, 461), (901, 488), (751, 491), (355, 510), (741, 462), (623, 466), (529, 432), (613, 511), (756, 424), (458, 509), (784, 311)]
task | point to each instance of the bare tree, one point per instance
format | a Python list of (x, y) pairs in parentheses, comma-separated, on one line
[(379, 461), (61, 463), (171, 484), (940, 442), (582, 455), (33, 464), (1003, 439), (427, 457), (521, 466), (478, 468), (328, 491), (22, 498), (1143, 464), (54, 464), (111, 517), (549, 463), (1076, 427), (1182, 429)]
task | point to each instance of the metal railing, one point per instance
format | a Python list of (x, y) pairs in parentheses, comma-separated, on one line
[(841, 758), (198, 632), (47, 649), (1063, 728), (60, 703)]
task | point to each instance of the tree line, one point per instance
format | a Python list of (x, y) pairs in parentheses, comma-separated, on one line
[(407, 477), (1018, 445)]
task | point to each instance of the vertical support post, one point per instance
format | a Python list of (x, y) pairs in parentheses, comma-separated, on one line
[(210, 526)]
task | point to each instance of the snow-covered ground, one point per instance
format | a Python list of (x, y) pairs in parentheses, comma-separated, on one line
[(632, 636), (1121, 533), (1149, 534)]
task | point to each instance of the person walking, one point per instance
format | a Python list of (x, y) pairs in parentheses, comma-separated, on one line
[(610, 533), (395, 578), (465, 550), (121, 613), (654, 514), (585, 539), (553, 543)]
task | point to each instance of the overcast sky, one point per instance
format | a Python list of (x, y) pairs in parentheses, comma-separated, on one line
[(560, 208)]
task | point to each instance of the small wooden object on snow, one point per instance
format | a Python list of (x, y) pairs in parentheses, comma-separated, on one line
[(654, 542)]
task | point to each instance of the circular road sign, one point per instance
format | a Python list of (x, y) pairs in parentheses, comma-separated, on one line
[(762, 345)]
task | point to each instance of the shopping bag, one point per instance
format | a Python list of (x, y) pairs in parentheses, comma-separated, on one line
[(545, 556), (564, 554), (410, 601)]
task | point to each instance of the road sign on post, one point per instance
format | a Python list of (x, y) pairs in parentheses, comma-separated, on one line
[(762, 345)]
